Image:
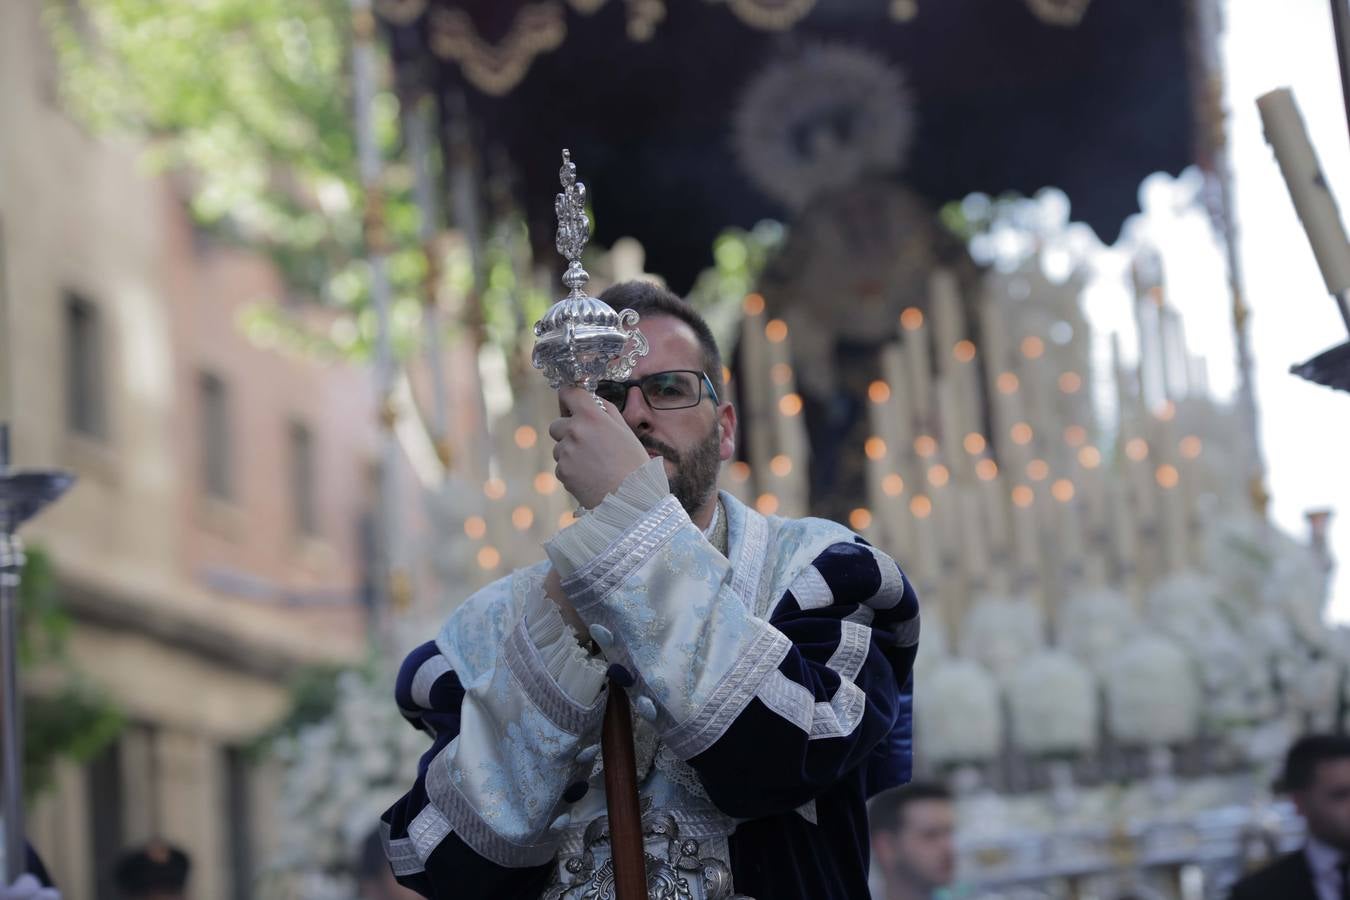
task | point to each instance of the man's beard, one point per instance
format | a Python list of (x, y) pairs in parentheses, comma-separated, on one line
[(695, 475)]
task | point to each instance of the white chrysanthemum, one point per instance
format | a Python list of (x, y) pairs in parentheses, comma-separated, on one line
[(1240, 551), (1053, 705), (1185, 604), (957, 714), (1095, 622), (1001, 632), (340, 775), (1152, 697), (933, 646), (1314, 690), (1297, 584), (1227, 650)]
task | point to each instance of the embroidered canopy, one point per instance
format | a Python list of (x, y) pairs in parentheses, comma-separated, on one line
[(688, 117)]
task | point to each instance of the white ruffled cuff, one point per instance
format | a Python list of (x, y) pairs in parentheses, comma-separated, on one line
[(578, 674), (589, 536)]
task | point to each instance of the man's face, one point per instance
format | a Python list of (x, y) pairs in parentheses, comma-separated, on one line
[(693, 441), (1325, 804), (922, 853)]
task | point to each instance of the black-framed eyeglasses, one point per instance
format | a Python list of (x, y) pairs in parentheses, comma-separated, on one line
[(677, 389)]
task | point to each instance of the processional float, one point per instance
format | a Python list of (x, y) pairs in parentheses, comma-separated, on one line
[(23, 494)]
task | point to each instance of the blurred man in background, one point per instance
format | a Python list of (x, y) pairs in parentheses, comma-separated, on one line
[(157, 871), (1317, 778), (913, 840)]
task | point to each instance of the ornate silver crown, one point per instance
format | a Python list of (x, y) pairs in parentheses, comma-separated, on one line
[(581, 339)]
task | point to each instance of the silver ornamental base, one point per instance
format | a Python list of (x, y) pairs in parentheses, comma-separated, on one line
[(675, 871)]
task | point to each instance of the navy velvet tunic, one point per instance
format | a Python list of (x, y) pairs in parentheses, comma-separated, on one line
[(762, 769)]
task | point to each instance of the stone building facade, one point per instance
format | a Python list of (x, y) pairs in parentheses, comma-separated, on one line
[(213, 544)]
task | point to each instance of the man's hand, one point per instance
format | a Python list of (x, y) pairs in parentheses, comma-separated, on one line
[(595, 449)]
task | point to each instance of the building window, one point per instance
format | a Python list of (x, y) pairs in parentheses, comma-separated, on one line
[(303, 497), (85, 410), (214, 435)]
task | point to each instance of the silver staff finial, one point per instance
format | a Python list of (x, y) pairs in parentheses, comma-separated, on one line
[(574, 229), (581, 340)]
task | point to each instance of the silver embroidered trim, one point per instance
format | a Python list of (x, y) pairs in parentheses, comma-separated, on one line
[(593, 581), (527, 668), (788, 699), (749, 564), (808, 811), (907, 633), (759, 658), (849, 656), (472, 830), (427, 831), (401, 854), (863, 615), (841, 715), (892, 589), (426, 676), (811, 590)]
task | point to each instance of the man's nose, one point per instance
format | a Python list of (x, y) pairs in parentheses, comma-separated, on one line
[(636, 412)]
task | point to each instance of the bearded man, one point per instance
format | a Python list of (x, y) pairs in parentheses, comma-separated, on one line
[(768, 661)]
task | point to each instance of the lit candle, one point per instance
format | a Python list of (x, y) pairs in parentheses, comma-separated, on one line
[(920, 374), (948, 322)]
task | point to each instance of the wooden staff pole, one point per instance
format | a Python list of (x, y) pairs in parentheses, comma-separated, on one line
[(621, 797)]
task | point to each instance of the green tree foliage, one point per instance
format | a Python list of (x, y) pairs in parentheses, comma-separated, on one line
[(71, 719), (250, 101)]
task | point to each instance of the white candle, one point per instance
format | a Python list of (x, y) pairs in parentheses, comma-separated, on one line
[(920, 374), (948, 322), (1308, 187)]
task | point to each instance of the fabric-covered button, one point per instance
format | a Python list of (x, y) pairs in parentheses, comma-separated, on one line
[(646, 708), (619, 675), (602, 636), (575, 791), (589, 754)]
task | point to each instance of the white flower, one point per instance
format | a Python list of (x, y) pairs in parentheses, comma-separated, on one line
[(340, 775), (1053, 703), (1095, 622), (1000, 632), (1152, 697), (933, 647), (957, 714)]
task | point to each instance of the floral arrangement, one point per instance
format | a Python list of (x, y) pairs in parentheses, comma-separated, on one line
[(1001, 632), (1152, 695), (340, 773), (1053, 704), (957, 714)]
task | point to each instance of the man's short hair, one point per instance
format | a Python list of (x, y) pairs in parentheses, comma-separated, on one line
[(1306, 753), (886, 812), (650, 299)]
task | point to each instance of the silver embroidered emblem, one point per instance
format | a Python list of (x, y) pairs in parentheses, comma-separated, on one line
[(675, 871)]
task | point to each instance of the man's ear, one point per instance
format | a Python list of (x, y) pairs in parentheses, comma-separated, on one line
[(726, 422)]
